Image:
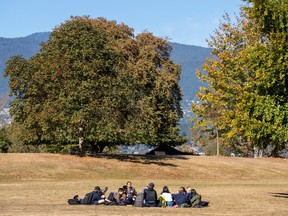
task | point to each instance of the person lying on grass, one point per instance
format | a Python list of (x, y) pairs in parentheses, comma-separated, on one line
[(96, 197)]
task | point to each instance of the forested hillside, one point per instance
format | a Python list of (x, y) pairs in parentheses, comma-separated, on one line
[(190, 58), (25, 46)]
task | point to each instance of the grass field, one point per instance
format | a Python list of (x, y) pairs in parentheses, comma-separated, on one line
[(40, 184)]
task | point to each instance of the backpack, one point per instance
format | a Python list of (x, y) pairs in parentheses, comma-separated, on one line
[(139, 200), (87, 200), (150, 197), (204, 203)]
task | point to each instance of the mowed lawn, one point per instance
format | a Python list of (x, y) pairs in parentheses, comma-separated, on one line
[(40, 184)]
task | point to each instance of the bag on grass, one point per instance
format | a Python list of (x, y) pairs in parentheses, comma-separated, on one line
[(204, 203), (73, 202), (139, 200)]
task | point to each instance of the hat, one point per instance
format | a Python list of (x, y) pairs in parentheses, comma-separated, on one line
[(151, 185)]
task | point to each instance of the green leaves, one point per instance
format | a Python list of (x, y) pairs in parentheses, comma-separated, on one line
[(95, 73), (247, 94)]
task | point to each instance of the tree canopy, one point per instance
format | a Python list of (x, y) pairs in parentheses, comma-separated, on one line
[(246, 101), (95, 73)]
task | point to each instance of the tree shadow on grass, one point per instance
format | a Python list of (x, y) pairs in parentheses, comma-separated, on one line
[(279, 195), (142, 159)]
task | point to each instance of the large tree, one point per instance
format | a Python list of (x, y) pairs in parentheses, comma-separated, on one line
[(246, 100), (96, 74)]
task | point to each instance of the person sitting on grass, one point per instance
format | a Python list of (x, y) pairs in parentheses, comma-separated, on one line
[(115, 198), (180, 198), (125, 200), (150, 196), (131, 191), (166, 197), (188, 193), (195, 199), (145, 189)]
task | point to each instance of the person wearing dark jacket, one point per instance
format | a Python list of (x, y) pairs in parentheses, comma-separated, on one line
[(180, 198), (95, 197), (98, 196), (150, 196), (125, 200), (115, 197)]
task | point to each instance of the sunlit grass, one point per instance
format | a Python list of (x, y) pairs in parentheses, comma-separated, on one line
[(40, 184)]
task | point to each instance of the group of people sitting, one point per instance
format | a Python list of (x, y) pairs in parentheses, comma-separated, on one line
[(127, 195)]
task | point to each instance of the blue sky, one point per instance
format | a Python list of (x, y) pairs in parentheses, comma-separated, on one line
[(183, 21)]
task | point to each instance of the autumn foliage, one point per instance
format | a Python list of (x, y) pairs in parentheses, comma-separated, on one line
[(95, 73), (246, 101)]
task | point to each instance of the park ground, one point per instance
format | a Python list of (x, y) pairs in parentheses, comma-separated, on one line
[(40, 184)]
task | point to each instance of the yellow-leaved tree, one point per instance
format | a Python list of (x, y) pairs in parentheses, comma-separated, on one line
[(246, 98)]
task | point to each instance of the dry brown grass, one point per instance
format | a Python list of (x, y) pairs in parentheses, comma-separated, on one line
[(40, 184)]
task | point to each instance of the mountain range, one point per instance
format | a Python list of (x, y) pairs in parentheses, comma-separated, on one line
[(190, 58)]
